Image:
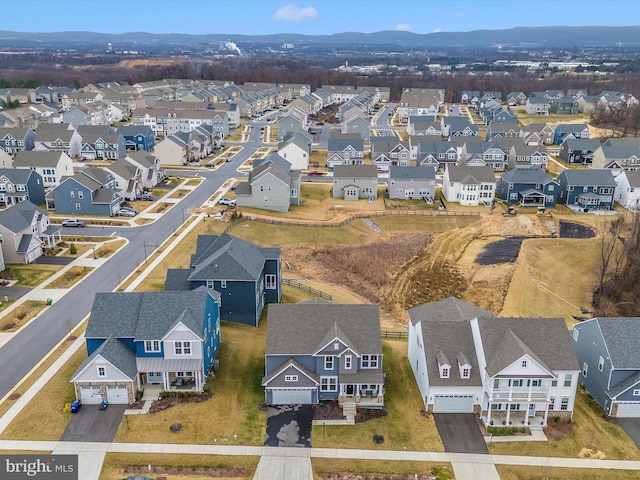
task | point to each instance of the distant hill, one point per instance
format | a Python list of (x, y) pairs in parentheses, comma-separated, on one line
[(534, 37)]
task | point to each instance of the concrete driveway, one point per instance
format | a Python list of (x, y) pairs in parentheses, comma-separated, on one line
[(460, 433), (91, 424), (289, 426), (632, 427)]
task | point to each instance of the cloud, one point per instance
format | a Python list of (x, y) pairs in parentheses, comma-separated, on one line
[(405, 27), (436, 30), (293, 13)]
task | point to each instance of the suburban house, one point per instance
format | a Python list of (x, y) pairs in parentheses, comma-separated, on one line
[(389, 152), (322, 351), (412, 182), (516, 98), (522, 155), (469, 96), (128, 179), (502, 130), (537, 134), (587, 189), (90, 192), (101, 144), (565, 131), (628, 189), (579, 150), (359, 123), (610, 364), (59, 138), (24, 232), (490, 154), (419, 102), (6, 160), (137, 137), (564, 106), (536, 105), (437, 153), (352, 182), (616, 157), (148, 340), (296, 149), (469, 186), (345, 149), (510, 371), (289, 124), (528, 187), (246, 275), (149, 165), (271, 185), (424, 126), (19, 185), (454, 126), (14, 140), (173, 150), (52, 166)]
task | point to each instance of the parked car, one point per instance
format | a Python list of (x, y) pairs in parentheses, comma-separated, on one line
[(315, 173), (130, 209), (126, 213), (227, 201), (147, 197), (73, 222)]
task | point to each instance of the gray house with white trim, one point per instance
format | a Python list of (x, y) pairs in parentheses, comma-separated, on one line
[(412, 182), (353, 182)]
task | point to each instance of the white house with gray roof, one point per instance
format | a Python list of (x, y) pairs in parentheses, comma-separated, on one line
[(323, 351), (510, 371), (412, 182), (469, 186), (52, 166), (628, 189)]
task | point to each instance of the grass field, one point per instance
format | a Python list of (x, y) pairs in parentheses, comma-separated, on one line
[(70, 277), (441, 471), (404, 427), (19, 316), (517, 472), (32, 275)]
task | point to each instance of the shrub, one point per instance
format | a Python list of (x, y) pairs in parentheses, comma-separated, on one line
[(72, 249), (77, 271)]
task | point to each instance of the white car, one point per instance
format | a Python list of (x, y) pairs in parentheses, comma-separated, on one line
[(227, 201), (126, 213)]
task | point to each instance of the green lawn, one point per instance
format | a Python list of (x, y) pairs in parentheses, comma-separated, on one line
[(32, 275)]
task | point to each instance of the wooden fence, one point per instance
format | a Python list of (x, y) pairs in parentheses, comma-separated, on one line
[(306, 288), (396, 334)]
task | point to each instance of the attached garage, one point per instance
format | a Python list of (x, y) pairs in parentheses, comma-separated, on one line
[(117, 394), (91, 394), (453, 404), (291, 396), (628, 409)]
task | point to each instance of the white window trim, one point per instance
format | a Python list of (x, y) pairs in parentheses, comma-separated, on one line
[(102, 369), (152, 346), (328, 360), (348, 362), (291, 378)]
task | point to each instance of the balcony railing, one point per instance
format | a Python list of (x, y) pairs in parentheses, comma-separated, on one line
[(519, 393)]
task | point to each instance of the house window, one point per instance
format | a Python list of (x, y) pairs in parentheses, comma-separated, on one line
[(554, 383), (152, 346), (524, 364), (80, 195), (600, 363), (347, 362), (328, 384), (564, 405), (209, 283), (369, 361), (102, 372), (270, 281), (294, 193), (567, 380), (445, 372), (182, 348), (78, 206), (575, 335), (636, 392), (328, 363), (72, 193), (291, 378), (223, 284), (466, 372), (585, 369), (496, 383)]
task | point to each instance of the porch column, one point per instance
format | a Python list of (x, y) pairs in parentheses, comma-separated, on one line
[(198, 381), (511, 390), (526, 413), (165, 381), (530, 388), (138, 380), (546, 413), (508, 413), (489, 413)]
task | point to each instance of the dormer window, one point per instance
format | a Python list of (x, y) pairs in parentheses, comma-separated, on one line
[(443, 365), (465, 372), (444, 372)]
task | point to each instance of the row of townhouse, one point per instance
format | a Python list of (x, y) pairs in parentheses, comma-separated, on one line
[(418, 102), (167, 122)]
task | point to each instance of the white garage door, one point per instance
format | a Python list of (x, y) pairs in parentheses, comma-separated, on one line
[(117, 395), (290, 396), (628, 409), (453, 404), (91, 394)]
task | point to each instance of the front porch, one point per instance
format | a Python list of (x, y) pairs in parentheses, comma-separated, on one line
[(515, 419), (532, 198), (171, 374)]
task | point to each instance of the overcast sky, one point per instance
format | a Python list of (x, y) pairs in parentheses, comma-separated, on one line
[(315, 17)]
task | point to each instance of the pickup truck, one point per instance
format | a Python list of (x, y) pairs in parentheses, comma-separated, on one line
[(73, 222)]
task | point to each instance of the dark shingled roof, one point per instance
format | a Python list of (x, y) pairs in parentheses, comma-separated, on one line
[(448, 309), (303, 329), (117, 354), (19, 216), (621, 335)]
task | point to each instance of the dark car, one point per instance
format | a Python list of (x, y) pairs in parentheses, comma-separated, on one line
[(315, 173)]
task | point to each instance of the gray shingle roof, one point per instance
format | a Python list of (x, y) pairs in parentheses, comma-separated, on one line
[(546, 340), (226, 257), (417, 173), (527, 175), (145, 315), (18, 217), (621, 335), (300, 329), (32, 158), (448, 309), (590, 177), (355, 171), (17, 176), (471, 175), (633, 177), (117, 354)]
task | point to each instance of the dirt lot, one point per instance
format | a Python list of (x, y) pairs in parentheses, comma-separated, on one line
[(447, 266)]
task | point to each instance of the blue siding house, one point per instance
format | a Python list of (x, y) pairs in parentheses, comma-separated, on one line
[(90, 192), (246, 275), (137, 137), (319, 351), (587, 189), (20, 184), (146, 340), (529, 187), (610, 361)]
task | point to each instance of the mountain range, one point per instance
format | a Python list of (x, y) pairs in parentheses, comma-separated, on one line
[(526, 37)]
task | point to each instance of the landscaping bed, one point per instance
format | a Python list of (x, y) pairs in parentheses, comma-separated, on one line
[(171, 399), (330, 410)]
